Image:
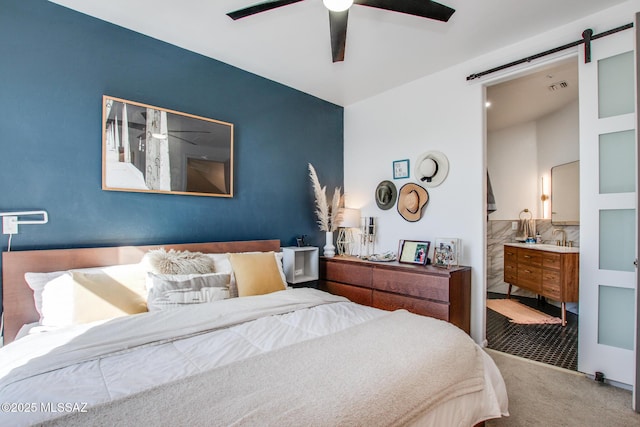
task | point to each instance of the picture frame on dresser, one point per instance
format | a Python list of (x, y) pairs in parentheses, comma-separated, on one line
[(413, 252), (446, 252)]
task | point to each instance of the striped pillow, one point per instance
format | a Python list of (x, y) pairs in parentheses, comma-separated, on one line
[(170, 291)]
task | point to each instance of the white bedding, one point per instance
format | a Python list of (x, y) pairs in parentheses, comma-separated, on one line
[(33, 372)]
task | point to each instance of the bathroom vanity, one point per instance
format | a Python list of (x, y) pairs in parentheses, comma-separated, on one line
[(547, 270)]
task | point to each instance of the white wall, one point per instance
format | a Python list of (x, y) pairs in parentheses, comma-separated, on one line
[(558, 138), (512, 162), (558, 143), (520, 155), (443, 112)]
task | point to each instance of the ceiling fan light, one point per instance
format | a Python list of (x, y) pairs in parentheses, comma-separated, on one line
[(337, 5)]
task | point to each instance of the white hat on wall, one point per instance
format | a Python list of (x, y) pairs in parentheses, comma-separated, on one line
[(431, 168)]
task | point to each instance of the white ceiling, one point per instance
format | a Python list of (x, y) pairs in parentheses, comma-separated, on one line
[(290, 45), (532, 96)]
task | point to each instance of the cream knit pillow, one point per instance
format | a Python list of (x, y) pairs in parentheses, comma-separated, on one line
[(159, 261)]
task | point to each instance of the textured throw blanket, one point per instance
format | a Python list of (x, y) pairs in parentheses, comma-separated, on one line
[(384, 372)]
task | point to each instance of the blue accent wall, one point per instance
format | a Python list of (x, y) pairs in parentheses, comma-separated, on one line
[(55, 65)]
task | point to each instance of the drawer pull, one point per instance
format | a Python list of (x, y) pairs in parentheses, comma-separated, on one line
[(527, 256)]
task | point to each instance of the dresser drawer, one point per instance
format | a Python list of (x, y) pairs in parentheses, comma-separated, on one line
[(413, 284), (551, 284), (387, 301), (510, 273), (425, 290), (551, 277), (529, 277), (551, 290), (550, 260), (529, 257), (352, 293), (510, 255), (353, 274)]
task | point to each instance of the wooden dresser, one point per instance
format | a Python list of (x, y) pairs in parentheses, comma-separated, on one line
[(547, 270), (429, 291)]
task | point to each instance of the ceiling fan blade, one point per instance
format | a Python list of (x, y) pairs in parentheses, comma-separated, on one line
[(188, 131), (338, 28), (182, 139), (424, 8), (260, 7)]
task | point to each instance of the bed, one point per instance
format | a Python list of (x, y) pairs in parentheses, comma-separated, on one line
[(284, 357)]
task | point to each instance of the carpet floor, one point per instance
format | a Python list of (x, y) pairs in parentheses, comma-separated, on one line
[(543, 395)]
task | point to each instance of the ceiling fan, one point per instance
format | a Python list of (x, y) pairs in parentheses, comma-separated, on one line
[(339, 12)]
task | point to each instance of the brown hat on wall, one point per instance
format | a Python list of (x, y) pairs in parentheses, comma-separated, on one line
[(412, 199)]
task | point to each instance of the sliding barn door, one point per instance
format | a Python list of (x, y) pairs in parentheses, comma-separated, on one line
[(608, 209)]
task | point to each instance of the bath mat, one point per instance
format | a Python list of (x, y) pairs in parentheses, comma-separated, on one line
[(520, 313)]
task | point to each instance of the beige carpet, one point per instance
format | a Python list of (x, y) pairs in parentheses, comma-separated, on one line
[(544, 395), (520, 313)]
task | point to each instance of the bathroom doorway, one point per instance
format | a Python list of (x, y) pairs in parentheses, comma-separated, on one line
[(532, 127)]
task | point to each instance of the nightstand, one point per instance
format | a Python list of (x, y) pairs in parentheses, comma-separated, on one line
[(300, 264)]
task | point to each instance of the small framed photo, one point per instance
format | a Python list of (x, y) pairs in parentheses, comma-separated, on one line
[(413, 252), (401, 169), (446, 252)]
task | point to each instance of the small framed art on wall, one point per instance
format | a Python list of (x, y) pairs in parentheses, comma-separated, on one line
[(401, 169)]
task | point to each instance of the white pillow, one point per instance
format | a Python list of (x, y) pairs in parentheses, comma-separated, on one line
[(170, 291), (77, 297), (37, 282), (222, 264), (27, 329), (134, 274)]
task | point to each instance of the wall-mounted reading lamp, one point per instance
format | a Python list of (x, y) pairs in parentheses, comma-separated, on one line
[(11, 220)]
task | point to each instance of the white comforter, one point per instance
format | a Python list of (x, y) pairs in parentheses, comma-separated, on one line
[(46, 375)]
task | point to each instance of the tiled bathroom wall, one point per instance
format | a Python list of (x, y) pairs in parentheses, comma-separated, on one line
[(499, 232)]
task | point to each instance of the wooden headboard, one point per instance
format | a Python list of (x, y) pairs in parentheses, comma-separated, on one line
[(17, 296)]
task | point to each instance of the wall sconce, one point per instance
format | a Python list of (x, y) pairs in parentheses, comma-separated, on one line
[(350, 221), (544, 198), (11, 220)]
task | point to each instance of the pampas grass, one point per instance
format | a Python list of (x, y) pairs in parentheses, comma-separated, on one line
[(329, 215)]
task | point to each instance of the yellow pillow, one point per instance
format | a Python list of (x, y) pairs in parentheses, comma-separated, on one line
[(256, 273)]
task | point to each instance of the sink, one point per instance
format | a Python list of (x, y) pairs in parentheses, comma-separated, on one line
[(546, 247)]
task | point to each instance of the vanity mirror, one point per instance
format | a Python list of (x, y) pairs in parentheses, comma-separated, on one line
[(565, 194)]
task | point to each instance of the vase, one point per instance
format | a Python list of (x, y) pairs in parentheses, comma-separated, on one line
[(329, 249)]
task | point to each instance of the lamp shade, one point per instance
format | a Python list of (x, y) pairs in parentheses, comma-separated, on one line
[(350, 218)]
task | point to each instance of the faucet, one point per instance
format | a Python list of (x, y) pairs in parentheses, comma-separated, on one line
[(562, 242)]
